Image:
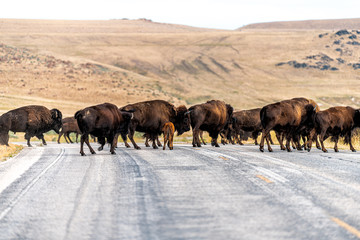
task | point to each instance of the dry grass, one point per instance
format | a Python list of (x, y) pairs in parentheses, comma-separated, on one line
[(9, 151)]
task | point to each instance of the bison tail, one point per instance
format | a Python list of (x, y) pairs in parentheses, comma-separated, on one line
[(79, 118), (78, 115), (263, 117)]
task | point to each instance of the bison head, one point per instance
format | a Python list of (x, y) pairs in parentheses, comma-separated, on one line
[(182, 123), (56, 120)]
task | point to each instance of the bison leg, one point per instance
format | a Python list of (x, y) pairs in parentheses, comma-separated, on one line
[(158, 142), (102, 141), (270, 139), (60, 134), (131, 136), (165, 140), (255, 134), (147, 141), (68, 136), (196, 141), (4, 139), (27, 137), (66, 139), (264, 135), (351, 146), (41, 137), (336, 144), (171, 142), (201, 137), (154, 144), (112, 139), (238, 139), (85, 138), (288, 141), (321, 138), (214, 136)]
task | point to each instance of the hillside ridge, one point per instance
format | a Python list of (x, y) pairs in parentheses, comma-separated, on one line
[(328, 24)]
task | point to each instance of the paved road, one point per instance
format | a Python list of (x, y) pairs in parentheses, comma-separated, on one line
[(231, 192)]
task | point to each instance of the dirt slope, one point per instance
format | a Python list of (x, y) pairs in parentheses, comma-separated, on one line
[(71, 64)]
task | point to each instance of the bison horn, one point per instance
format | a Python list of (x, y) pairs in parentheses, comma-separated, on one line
[(132, 115), (187, 112)]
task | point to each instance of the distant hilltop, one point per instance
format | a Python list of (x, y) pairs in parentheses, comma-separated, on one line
[(331, 24)]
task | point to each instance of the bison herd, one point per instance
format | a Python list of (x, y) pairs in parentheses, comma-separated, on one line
[(293, 120)]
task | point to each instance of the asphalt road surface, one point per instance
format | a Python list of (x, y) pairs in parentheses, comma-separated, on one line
[(231, 192)]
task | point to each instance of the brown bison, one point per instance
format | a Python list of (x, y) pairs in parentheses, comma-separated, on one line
[(102, 121), (33, 120), (287, 117), (150, 117), (336, 122), (69, 126), (247, 121), (212, 116), (168, 131)]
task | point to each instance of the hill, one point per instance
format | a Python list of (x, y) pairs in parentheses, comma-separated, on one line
[(330, 24), (72, 64)]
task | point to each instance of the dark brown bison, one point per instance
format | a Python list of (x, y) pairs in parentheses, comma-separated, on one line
[(247, 121), (150, 117), (287, 117), (33, 120), (168, 131), (69, 126), (102, 121), (212, 116), (336, 122)]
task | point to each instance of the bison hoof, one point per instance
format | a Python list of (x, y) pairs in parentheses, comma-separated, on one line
[(82, 154), (324, 150), (137, 147), (261, 149), (113, 152), (100, 148), (93, 152), (171, 148), (270, 150), (309, 149), (353, 150), (155, 147)]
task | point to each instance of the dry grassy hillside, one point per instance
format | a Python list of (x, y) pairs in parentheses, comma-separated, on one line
[(330, 24), (71, 64)]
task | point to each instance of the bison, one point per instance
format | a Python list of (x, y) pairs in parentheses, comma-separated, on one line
[(335, 122), (168, 131), (34, 120), (247, 121), (69, 126), (287, 117), (150, 117), (102, 121), (212, 116)]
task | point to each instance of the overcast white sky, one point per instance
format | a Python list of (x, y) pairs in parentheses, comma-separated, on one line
[(223, 14)]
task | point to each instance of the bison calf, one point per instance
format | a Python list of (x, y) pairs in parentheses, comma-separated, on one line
[(168, 131), (33, 120)]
